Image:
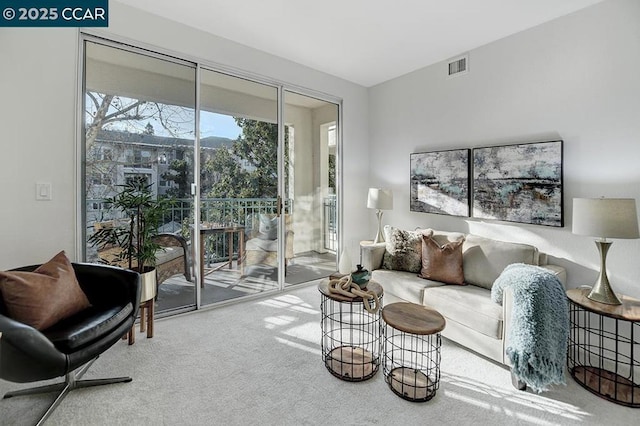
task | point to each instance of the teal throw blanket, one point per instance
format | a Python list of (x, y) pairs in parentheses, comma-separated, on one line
[(539, 326)]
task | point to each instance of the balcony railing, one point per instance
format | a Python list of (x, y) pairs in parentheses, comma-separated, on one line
[(179, 219), (330, 225)]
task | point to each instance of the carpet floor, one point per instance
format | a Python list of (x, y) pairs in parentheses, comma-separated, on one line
[(259, 362)]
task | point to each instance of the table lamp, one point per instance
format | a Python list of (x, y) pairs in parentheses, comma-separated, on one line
[(605, 218), (380, 199)]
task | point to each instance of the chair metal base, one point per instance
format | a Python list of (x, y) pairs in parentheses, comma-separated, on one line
[(72, 381)]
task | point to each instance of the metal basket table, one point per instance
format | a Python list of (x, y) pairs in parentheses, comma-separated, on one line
[(411, 341), (350, 334)]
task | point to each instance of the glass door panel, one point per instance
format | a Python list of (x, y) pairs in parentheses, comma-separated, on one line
[(139, 123), (238, 187), (310, 187)]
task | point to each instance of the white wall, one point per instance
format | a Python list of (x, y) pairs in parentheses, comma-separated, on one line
[(576, 78), (38, 84), (37, 118)]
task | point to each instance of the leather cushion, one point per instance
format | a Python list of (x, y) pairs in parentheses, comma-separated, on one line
[(442, 262), (45, 296), (74, 332)]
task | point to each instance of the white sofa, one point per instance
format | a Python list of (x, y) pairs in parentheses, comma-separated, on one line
[(472, 319)]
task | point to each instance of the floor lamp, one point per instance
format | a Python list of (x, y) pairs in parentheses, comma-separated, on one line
[(380, 199), (605, 218)]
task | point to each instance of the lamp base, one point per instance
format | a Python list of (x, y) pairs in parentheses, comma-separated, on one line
[(603, 294), (380, 234), (601, 291)]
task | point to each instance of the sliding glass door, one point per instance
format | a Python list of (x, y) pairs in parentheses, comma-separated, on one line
[(239, 210), (139, 126), (248, 168), (310, 187)]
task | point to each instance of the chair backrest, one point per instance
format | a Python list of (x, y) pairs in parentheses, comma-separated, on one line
[(3, 308)]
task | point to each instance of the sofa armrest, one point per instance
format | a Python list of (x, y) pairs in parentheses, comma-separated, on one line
[(507, 313), (372, 255), (507, 307), (559, 272)]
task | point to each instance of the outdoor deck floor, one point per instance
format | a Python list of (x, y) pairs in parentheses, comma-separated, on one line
[(226, 284)]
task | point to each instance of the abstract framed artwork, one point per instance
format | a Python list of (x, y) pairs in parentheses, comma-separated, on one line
[(440, 182), (519, 183)]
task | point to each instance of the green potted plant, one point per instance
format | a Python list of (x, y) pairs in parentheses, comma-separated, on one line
[(135, 236)]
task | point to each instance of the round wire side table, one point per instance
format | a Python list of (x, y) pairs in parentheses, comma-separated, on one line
[(350, 334), (603, 353), (411, 341)]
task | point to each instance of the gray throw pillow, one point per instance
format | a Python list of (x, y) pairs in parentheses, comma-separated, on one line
[(403, 251)]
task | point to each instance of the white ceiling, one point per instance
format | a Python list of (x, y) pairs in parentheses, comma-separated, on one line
[(363, 41)]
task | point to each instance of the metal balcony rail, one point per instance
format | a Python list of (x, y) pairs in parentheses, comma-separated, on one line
[(240, 211), (330, 223), (179, 218)]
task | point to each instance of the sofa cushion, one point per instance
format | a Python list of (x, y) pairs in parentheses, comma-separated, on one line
[(261, 245), (404, 285), (45, 296), (444, 237), (468, 305), (442, 262), (483, 259), (403, 251)]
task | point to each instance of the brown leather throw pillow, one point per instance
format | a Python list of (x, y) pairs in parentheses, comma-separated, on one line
[(45, 296), (442, 263)]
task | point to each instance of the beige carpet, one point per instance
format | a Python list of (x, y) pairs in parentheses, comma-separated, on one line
[(259, 362)]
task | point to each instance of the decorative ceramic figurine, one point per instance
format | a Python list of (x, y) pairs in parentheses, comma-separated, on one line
[(361, 276)]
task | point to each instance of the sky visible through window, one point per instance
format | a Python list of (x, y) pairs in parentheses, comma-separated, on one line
[(180, 119), (212, 124)]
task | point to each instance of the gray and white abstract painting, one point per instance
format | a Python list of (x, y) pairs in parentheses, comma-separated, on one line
[(440, 182), (519, 183)]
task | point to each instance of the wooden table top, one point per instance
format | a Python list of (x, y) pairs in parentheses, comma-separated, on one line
[(629, 310), (323, 287), (413, 318)]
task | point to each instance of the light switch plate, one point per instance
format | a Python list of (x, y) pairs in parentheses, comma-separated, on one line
[(43, 191)]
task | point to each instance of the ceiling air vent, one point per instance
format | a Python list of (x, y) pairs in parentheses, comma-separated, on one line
[(459, 66)]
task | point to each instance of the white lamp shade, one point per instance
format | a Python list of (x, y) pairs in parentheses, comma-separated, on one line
[(605, 217), (381, 199)]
